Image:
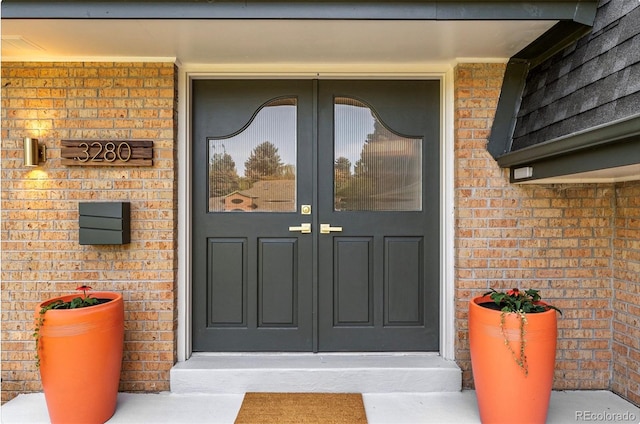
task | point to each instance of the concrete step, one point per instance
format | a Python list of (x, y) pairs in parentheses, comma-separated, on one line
[(214, 373)]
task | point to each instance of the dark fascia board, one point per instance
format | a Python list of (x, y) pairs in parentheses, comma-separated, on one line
[(300, 9), (504, 121), (607, 146), (616, 155), (557, 38), (615, 132)]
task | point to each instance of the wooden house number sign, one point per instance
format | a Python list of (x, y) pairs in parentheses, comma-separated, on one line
[(107, 152)]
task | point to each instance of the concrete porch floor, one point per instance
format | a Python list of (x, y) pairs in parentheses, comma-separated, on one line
[(381, 408)]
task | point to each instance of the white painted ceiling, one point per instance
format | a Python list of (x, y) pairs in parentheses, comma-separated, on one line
[(306, 43)]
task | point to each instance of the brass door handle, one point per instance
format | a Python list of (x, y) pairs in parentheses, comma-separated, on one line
[(304, 228), (327, 228)]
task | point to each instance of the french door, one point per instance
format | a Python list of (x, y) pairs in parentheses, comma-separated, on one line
[(315, 215)]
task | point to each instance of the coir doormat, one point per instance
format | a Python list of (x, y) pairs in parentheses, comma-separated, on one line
[(302, 408)]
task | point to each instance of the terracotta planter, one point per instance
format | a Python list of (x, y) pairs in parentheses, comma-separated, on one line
[(501, 384), (80, 353)]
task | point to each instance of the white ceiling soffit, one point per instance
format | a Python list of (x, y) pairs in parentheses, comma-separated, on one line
[(243, 42)]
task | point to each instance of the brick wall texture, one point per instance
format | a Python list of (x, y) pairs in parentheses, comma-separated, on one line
[(578, 244), (626, 293), (41, 256)]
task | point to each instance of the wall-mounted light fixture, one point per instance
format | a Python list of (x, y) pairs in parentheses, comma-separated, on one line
[(522, 173), (33, 153)]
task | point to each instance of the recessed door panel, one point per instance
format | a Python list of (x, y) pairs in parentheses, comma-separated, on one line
[(352, 282), (278, 283), (403, 281), (227, 283)]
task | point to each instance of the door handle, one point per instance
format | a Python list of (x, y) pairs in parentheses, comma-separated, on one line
[(327, 228), (304, 228)]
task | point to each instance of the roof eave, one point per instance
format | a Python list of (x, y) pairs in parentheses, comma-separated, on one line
[(578, 11), (613, 145)]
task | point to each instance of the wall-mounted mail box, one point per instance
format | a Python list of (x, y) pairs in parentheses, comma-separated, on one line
[(105, 222)]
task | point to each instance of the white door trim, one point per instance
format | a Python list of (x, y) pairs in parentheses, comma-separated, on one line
[(447, 286)]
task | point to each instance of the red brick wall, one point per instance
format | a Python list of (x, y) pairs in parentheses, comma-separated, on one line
[(626, 302), (555, 238), (41, 256)]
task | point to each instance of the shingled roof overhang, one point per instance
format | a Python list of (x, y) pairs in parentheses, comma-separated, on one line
[(605, 153), (598, 148)]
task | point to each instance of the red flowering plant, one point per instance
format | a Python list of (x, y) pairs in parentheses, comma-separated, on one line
[(520, 303), (77, 302)]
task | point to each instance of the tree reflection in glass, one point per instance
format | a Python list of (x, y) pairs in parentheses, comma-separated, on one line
[(375, 169), (265, 151)]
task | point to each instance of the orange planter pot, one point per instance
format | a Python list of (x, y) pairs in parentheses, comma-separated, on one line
[(80, 353), (501, 385)]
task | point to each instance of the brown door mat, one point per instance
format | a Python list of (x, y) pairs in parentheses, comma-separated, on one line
[(302, 408)]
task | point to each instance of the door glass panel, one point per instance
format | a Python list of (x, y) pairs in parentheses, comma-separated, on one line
[(254, 169), (375, 169)]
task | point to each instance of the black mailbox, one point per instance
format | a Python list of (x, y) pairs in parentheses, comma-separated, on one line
[(105, 223)]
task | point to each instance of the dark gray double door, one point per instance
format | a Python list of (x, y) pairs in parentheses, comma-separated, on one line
[(315, 215)]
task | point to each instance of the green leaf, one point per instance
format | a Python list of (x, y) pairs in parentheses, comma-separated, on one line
[(534, 294), (90, 301), (76, 303), (555, 309)]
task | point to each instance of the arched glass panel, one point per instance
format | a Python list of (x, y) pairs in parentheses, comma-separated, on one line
[(375, 169), (254, 170)]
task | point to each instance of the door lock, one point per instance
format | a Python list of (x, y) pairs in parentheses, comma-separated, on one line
[(327, 228), (304, 228)]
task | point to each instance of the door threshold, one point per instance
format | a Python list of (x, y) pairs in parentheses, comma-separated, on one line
[(384, 372)]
